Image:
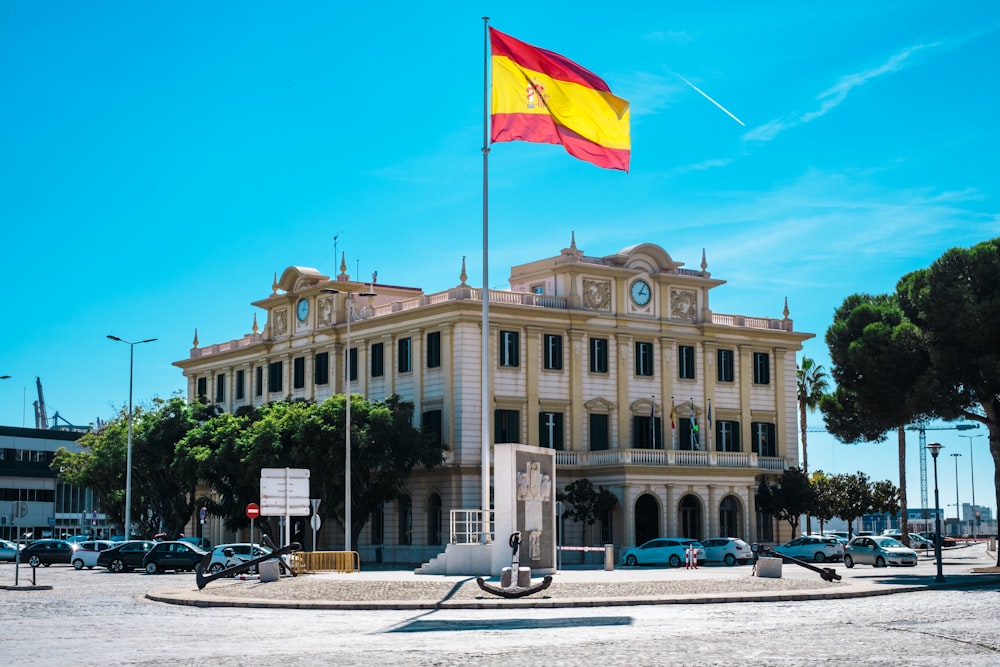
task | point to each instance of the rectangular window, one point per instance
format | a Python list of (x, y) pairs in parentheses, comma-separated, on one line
[(434, 349), (220, 388), (725, 364), (550, 430), (274, 377), (403, 365), (644, 359), (298, 373), (552, 352), (202, 389), (506, 426), (352, 365), (510, 348), (727, 436), (646, 433), (321, 368), (598, 355), (378, 360), (259, 380), (764, 441), (761, 368), (241, 381), (600, 430), (431, 421), (685, 362)]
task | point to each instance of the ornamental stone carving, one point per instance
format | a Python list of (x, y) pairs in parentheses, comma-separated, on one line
[(325, 312), (280, 322), (683, 304), (597, 294)]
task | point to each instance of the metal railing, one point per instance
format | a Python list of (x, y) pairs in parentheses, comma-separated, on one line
[(325, 561)]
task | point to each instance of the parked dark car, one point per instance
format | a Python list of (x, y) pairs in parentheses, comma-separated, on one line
[(125, 557), (176, 555), (47, 552)]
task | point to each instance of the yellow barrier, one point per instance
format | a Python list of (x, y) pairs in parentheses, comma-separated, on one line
[(325, 561)]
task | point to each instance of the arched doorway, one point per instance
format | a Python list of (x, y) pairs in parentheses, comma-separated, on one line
[(647, 518), (690, 510), (730, 520)]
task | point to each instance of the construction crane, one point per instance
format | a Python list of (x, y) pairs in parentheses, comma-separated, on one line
[(41, 418), (922, 430)]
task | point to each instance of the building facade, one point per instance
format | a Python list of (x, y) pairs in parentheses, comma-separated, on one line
[(616, 362)]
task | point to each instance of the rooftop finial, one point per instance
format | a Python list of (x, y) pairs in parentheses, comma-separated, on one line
[(255, 327), (194, 343), (785, 311), (343, 267), (572, 240), (704, 262), (274, 285), (463, 276)]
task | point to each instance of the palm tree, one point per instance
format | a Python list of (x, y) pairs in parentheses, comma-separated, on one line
[(812, 384)]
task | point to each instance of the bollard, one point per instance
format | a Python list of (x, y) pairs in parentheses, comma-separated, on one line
[(692, 558), (609, 557)]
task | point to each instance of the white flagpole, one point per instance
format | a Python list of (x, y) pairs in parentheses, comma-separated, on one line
[(484, 536)]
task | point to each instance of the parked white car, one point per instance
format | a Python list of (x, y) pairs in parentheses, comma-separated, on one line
[(9, 550), (728, 550), (816, 549), (241, 553), (86, 554)]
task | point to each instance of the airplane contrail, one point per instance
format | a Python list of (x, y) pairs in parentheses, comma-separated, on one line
[(728, 113)]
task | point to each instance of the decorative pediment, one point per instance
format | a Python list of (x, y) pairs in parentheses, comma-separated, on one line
[(599, 405), (645, 257), (297, 278)]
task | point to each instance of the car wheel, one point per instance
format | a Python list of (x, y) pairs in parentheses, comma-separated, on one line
[(217, 567), (78, 564), (631, 560), (879, 562), (675, 560), (117, 565), (150, 568), (34, 561), (819, 557), (848, 562), (730, 560)]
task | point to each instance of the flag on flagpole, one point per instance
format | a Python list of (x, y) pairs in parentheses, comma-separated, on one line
[(708, 417), (543, 97), (673, 414), (652, 422), (694, 428)]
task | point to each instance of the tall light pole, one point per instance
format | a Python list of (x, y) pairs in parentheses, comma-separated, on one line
[(958, 509), (934, 448), (128, 455), (972, 480), (347, 413)]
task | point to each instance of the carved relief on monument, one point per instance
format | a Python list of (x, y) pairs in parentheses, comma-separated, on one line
[(597, 294), (534, 488), (325, 312), (683, 304), (280, 322)]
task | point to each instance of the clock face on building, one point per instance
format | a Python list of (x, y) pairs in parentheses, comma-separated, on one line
[(640, 293), (302, 310)]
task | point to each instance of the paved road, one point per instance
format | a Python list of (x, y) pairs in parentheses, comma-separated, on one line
[(96, 616)]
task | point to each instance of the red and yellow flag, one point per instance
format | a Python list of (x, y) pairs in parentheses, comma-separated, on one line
[(542, 97)]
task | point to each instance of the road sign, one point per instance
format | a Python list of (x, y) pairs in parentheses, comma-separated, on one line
[(284, 492), (52, 521), (315, 522), (253, 511)]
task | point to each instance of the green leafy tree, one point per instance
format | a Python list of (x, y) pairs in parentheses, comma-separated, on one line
[(823, 500), (788, 499), (811, 382), (99, 465), (586, 503), (880, 365), (852, 496), (955, 303)]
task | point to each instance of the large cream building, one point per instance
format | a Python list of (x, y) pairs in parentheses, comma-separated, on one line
[(588, 355)]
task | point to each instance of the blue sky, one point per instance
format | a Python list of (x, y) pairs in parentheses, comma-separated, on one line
[(160, 162)]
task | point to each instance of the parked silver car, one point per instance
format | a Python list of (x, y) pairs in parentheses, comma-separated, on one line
[(729, 550), (878, 550), (816, 549), (86, 555)]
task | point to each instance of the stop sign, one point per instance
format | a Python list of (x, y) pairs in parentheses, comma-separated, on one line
[(253, 511)]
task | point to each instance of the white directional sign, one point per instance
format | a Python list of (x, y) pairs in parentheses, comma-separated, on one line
[(284, 492)]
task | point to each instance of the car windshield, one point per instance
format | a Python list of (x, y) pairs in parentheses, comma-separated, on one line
[(887, 542)]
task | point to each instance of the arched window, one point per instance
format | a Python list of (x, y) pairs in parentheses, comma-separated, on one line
[(434, 519), (405, 520)]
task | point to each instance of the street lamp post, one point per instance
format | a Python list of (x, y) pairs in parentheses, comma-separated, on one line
[(347, 413), (972, 480), (934, 448), (958, 508), (128, 455)]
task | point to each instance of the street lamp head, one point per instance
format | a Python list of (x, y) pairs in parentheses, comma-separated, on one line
[(934, 448), (955, 454), (115, 338), (4, 377)]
